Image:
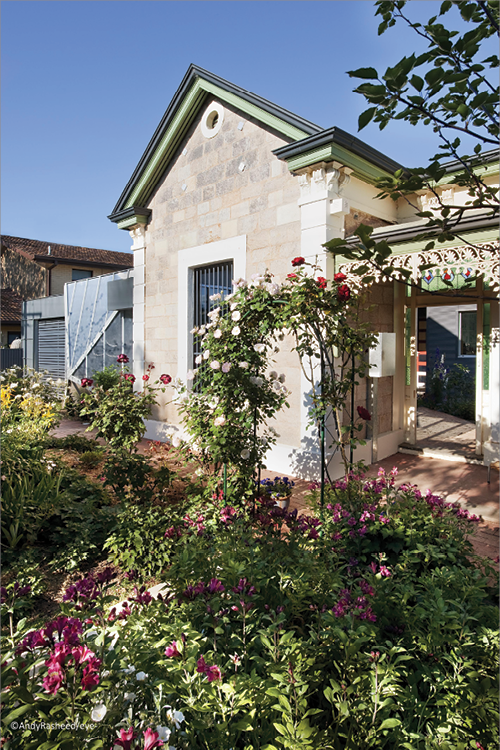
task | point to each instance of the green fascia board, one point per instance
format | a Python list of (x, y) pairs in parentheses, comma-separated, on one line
[(132, 221), (480, 171), (290, 131), (159, 159), (413, 246), (183, 119), (361, 168), (480, 235)]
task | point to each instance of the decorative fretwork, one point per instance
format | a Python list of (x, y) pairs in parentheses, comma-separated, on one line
[(483, 258)]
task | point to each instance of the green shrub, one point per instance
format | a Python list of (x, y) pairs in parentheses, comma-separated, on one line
[(91, 459), (77, 443), (367, 624)]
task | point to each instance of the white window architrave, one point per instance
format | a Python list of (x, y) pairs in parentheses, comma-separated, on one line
[(235, 249)]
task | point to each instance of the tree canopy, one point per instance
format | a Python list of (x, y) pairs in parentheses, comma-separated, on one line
[(452, 88)]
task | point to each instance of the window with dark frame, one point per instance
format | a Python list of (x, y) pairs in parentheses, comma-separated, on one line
[(467, 333), (209, 280), (79, 273)]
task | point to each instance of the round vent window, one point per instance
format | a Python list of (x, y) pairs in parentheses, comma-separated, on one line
[(212, 120)]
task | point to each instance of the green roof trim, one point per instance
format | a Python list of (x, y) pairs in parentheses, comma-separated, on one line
[(196, 87), (132, 221), (475, 237), (361, 168), (415, 246), (167, 145), (183, 119)]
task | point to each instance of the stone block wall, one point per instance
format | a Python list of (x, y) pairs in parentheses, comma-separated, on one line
[(215, 189)]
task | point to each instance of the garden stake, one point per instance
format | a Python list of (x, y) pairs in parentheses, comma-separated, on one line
[(351, 454), (322, 438), (225, 482)]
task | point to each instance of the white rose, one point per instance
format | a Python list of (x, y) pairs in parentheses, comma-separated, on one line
[(219, 421), (217, 333), (194, 330), (198, 360), (245, 454), (273, 375), (206, 354), (215, 365), (282, 377), (244, 365), (256, 380), (190, 375), (236, 331), (259, 348), (236, 315), (99, 712)]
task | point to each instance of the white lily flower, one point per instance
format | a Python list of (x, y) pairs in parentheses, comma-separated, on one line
[(141, 676)]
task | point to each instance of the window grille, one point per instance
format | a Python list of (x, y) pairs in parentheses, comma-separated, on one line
[(209, 280), (467, 341)]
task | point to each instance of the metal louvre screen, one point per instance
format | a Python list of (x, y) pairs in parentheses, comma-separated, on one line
[(51, 347), (209, 280)]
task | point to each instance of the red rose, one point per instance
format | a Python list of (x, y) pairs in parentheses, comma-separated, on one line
[(343, 292), (321, 282), (364, 413), (165, 379), (145, 377), (299, 261), (292, 276), (87, 382), (340, 277), (129, 377), (122, 358)]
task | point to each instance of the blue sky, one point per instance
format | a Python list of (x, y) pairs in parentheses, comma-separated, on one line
[(85, 84)]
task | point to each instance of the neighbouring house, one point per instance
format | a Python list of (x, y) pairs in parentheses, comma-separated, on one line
[(37, 270), (34, 268), (10, 316)]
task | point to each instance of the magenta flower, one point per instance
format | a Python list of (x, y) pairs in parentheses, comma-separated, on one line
[(165, 379), (122, 359), (87, 382), (215, 586), (127, 736), (213, 673), (151, 739), (129, 377), (172, 650), (299, 261)]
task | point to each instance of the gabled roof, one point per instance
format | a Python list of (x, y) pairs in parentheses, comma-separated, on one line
[(10, 306), (197, 85), (38, 250)]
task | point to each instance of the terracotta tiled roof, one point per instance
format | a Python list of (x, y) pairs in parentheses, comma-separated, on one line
[(36, 249), (10, 306)]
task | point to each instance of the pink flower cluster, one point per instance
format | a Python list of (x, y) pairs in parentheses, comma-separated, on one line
[(67, 630), (212, 588), (87, 590), (127, 737), (357, 606), (65, 656), (87, 382)]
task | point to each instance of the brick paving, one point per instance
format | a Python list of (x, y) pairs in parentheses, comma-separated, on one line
[(456, 482)]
